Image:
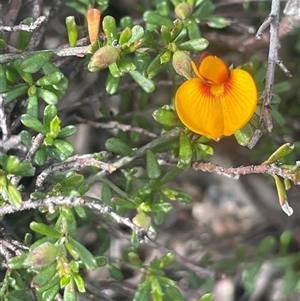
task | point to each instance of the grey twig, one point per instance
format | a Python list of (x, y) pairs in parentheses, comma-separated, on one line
[(139, 152), (3, 121), (10, 143), (24, 27), (49, 202), (60, 52), (36, 142), (116, 125), (73, 163), (273, 60), (280, 64), (235, 172)]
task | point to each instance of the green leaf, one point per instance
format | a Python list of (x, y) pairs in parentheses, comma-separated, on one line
[(157, 19), (183, 196), (101, 261), (125, 36), (44, 229), (17, 262), (174, 293), (163, 8), (114, 70), (285, 240), (15, 92), (33, 106), (124, 203), (27, 77), (178, 28), (106, 194), (36, 61), (26, 138), (166, 34), (115, 272), (207, 297), (38, 195), (281, 87), (167, 260), (112, 84), (171, 174), (42, 255), (166, 116), (48, 96), (79, 282), (146, 84), (109, 28), (15, 197), (117, 146), (193, 28), (3, 83), (67, 131), (25, 169), (154, 67), (152, 166), (185, 151), (11, 164), (84, 254), (143, 291), (54, 127), (216, 22), (142, 220), (266, 245), (50, 113), (50, 79), (162, 207), (25, 36), (126, 22), (281, 152), (137, 32), (74, 180), (194, 45), (125, 65), (33, 123), (40, 156), (64, 146), (156, 290), (44, 275), (72, 30), (52, 289), (69, 292), (55, 153), (205, 9)]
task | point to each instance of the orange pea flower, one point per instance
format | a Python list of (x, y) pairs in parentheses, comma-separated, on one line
[(217, 102)]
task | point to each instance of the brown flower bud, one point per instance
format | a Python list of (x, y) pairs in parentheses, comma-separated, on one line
[(103, 57), (183, 10), (182, 64)]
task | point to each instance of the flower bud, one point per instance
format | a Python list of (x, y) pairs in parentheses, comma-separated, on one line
[(103, 57), (183, 10), (182, 64), (93, 20)]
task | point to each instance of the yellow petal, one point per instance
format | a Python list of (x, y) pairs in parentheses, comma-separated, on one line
[(213, 70), (239, 101), (216, 110), (198, 109), (195, 69)]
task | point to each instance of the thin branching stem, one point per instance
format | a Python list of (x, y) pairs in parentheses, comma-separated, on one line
[(23, 27)]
